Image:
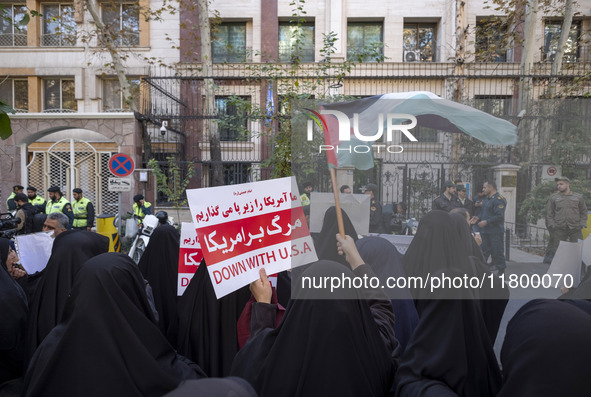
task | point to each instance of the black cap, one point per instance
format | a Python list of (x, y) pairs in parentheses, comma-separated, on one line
[(31, 188), (77, 190), (562, 178), (306, 184), (449, 184), (17, 187), (21, 197), (54, 189), (460, 188), (371, 187), (138, 197)]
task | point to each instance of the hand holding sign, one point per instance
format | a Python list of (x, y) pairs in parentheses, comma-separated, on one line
[(261, 288)]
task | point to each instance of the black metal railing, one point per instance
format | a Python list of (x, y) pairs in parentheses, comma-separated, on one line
[(528, 237)]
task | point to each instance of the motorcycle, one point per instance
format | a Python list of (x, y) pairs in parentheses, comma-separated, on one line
[(142, 238), (144, 232)]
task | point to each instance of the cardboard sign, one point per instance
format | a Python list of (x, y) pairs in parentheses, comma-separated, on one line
[(567, 260), (190, 256), (244, 227), (355, 205), (34, 251)]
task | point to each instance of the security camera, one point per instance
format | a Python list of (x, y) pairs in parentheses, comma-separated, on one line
[(163, 128)]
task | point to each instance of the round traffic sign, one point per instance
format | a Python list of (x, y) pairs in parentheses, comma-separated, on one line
[(121, 165)]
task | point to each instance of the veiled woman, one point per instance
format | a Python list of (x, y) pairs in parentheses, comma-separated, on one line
[(70, 251), (108, 342)]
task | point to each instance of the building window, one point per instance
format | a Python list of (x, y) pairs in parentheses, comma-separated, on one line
[(12, 34), (59, 96), (229, 43), (113, 100), (59, 28), (419, 42), (123, 22), (497, 105), (236, 173), (491, 34), (296, 42), (552, 36), (233, 117), (16, 93), (423, 134), (365, 41)]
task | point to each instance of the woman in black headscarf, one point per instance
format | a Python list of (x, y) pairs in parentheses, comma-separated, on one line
[(546, 351), (450, 352), (493, 295), (322, 347), (108, 342), (13, 320), (207, 325), (325, 243), (159, 264), (386, 261), (70, 251), (214, 387)]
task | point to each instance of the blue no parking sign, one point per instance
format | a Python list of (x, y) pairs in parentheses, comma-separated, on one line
[(121, 165)]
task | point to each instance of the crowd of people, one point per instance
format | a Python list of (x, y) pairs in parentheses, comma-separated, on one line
[(94, 323)]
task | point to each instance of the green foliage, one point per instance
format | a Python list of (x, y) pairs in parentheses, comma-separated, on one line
[(534, 206), (171, 183), (5, 128)]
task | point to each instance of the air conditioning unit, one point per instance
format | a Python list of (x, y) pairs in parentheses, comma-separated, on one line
[(412, 56)]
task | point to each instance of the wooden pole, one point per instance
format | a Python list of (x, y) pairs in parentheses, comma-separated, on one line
[(337, 201)]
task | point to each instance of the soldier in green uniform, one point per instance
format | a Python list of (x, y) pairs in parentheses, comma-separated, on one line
[(491, 223), (35, 200), (58, 203), (566, 215), (83, 211)]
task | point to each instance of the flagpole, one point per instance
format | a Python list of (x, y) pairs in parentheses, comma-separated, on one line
[(337, 201)]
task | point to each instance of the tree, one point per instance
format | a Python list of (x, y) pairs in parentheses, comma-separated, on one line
[(172, 183)]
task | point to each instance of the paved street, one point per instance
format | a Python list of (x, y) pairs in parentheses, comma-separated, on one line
[(522, 263)]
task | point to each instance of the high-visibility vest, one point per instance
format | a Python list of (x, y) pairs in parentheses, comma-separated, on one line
[(8, 199), (80, 213), (137, 210), (57, 206), (305, 199), (38, 201)]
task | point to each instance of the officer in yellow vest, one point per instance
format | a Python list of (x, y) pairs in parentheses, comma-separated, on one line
[(58, 203), (141, 208), (35, 200), (10, 204), (83, 211)]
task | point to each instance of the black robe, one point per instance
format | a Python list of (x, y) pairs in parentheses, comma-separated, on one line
[(13, 321), (207, 325), (386, 261), (71, 249), (214, 387), (159, 264), (322, 347), (546, 352), (326, 242), (450, 352), (108, 342)]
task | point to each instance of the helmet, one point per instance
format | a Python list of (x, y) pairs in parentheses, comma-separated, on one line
[(162, 217)]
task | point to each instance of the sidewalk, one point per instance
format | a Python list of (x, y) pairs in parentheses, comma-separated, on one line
[(517, 255)]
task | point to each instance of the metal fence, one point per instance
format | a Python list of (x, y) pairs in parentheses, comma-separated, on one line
[(550, 112)]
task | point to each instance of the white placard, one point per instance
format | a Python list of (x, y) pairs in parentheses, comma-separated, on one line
[(34, 251), (355, 205), (567, 260)]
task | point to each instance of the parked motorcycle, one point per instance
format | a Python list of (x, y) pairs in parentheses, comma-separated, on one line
[(142, 238)]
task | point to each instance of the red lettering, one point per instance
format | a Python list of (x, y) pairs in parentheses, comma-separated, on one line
[(217, 276), (283, 253), (294, 250), (307, 247), (184, 281)]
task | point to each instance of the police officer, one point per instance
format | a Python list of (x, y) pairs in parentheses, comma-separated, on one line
[(26, 213), (465, 202), (305, 197), (448, 199), (83, 211), (566, 215), (10, 204), (36, 200), (491, 222), (375, 209), (141, 208), (58, 203)]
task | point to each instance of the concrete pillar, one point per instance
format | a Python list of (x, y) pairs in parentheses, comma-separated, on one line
[(506, 180), (345, 177)]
